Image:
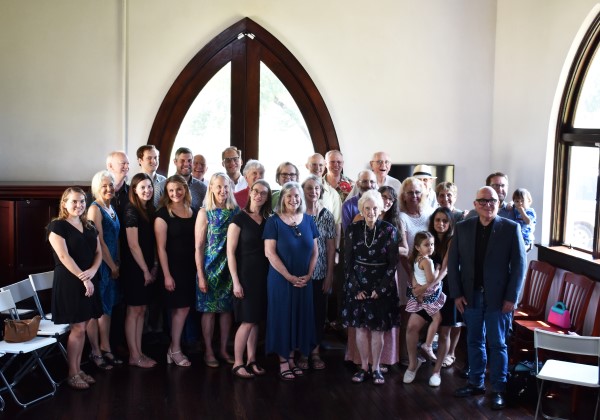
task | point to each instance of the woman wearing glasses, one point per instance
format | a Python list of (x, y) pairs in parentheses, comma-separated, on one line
[(285, 172), (291, 247), (249, 267)]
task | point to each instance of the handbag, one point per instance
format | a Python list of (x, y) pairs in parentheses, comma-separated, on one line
[(559, 315), (21, 330)]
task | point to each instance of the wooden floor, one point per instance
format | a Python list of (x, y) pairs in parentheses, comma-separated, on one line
[(199, 392)]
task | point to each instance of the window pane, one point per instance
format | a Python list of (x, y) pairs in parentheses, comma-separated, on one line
[(283, 134), (587, 113), (581, 201), (206, 127)]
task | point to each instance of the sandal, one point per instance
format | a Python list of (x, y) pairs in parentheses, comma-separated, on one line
[(378, 378), (180, 360), (142, 363), (87, 378), (359, 376), (316, 362), (295, 369), (286, 375), (248, 373), (211, 363), (254, 368), (302, 363), (77, 382), (111, 358), (99, 361), (448, 361)]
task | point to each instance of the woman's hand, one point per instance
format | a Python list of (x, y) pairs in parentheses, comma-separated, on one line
[(202, 284), (362, 295), (418, 290), (328, 284), (148, 278), (374, 295), (114, 272), (169, 283), (87, 275), (89, 288), (238, 290)]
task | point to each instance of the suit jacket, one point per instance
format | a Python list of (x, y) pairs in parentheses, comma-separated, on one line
[(505, 262)]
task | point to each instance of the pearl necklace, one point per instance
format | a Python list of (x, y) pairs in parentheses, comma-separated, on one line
[(374, 233)]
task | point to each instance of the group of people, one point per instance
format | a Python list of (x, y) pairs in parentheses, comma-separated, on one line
[(395, 253)]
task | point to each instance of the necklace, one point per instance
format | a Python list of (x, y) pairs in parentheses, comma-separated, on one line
[(374, 232), (108, 209)]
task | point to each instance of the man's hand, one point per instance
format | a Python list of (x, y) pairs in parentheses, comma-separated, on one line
[(460, 303)]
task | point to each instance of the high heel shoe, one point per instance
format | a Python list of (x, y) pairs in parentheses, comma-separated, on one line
[(180, 360)]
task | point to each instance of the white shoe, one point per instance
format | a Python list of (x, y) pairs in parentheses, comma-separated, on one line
[(435, 380), (428, 350), (409, 375)]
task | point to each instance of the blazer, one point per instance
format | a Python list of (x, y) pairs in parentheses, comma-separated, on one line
[(505, 262)]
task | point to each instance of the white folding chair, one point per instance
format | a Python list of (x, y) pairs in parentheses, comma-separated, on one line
[(20, 311), (564, 371), (24, 290), (40, 282), (35, 349)]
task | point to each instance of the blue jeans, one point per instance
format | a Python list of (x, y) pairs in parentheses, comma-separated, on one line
[(493, 326)]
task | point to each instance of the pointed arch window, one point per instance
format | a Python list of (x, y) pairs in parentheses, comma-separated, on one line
[(244, 89)]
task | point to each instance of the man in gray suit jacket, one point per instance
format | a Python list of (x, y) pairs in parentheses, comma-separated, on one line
[(486, 268)]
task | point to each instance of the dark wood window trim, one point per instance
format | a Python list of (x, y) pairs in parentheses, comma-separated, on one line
[(245, 44)]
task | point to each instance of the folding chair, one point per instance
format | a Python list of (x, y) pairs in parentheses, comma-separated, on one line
[(20, 311), (40, 282), (563, 371), (35, 349), (24, 290)]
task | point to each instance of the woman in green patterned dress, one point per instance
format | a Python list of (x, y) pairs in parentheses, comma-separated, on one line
[(214, 291)]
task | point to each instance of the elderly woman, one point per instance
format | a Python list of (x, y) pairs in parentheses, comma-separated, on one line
[(253, 171), (446, 195), (174, 230), (371, 302), (105, 218), (292, 249), (286, 172), (214, 292), (77, 255), (322, 278), (249, 267), (139, 264)]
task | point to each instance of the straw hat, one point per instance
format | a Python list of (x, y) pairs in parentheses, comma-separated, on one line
[(423, 171)]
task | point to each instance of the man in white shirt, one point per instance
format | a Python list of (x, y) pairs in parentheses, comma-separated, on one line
[(381, 165), (232, 162)]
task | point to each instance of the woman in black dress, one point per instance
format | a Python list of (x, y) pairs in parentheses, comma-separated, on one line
[(248, 267), (174, 230), (77, 257), (138, 264)]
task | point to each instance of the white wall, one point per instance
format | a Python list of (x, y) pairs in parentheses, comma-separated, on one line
[(469, 82)]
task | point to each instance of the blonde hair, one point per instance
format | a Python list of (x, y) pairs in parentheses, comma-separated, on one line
[(63, 214), (165, 200), (209, 199), (411, 180)]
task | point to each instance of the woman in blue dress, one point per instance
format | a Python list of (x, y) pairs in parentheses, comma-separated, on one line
[(214, 290), (107, 223), (291, 247)]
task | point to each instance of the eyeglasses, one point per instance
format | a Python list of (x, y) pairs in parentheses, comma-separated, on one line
[(366, 181), (494, 186), (286, 175), (231, 159), (413, 193), (486, 202), (381, 162), (261, 193), (296, 230)]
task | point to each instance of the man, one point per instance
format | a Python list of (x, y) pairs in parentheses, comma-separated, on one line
[(486, 267), (499, 182), (199, 168), (232, 162), (183, 166), (424, 173), (335, 177), (381, 165), (253, 171), (148, 160), (117, 163), (366, 181)]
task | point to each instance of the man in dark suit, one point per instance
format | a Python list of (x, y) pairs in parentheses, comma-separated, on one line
[(486, 268)]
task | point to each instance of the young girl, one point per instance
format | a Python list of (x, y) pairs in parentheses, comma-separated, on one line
[(524, 215), (425, 273)]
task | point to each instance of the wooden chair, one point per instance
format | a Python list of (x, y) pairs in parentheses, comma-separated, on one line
[(535, 291)]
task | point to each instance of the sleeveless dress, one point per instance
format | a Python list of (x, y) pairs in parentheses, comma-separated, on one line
[(110, 290), (132, 276), (180, 252), (219, 297), (69, 303), (252, 267)]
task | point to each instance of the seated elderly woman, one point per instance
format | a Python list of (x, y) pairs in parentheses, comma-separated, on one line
[(371, 296)]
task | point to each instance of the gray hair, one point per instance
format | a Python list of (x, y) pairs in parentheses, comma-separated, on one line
[(287, 187), (253, 164), (318, 180), (371, 195), (97, 182)]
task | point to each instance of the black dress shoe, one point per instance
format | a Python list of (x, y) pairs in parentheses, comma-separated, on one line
[(498, 401), (467, 391)]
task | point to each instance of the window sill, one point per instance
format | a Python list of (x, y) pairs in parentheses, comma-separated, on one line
[(570, 259)]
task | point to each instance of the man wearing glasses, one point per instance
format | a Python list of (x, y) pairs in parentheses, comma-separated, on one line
[(366, 181), (232, 162), (499, 182), (381, 165), (486, 268)]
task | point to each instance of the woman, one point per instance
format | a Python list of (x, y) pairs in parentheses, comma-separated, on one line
[(371, 301), (446, 195), (322, 277), (214, 292), (174, 230), (249, 267), (139, 264), (77, 257), (105, 218), (291, 247), (286, 172)]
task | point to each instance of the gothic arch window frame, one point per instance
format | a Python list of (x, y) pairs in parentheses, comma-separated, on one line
[(245, 44)]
